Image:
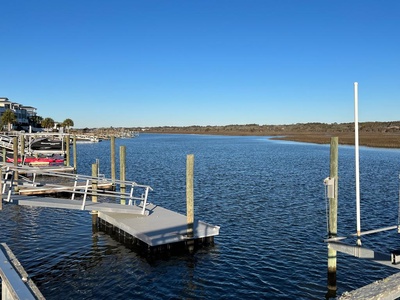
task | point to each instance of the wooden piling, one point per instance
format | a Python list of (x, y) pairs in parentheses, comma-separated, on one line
[(95, 174), (122, 171), (112, 145), (189, 194), (15, 153), (15, 150), (22, 147), (67, 151), (75, 154), (333, 205)]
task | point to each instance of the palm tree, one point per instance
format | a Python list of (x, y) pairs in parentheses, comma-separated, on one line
[(35, 120), (48, 123), (8, 118), (68, 123)]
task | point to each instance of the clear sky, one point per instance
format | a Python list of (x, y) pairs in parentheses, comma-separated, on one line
[(134, 63)]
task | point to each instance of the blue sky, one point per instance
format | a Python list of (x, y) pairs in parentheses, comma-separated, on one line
[(206, 62)]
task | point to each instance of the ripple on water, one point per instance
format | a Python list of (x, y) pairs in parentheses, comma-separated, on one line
[(267, 197)]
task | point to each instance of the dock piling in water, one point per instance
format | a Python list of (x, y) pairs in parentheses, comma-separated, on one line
[(22, 147), (189, 194), (15, 150), (95, 174), (122, 170), (112, 146), (67, 151), (75, 153), (333, 205), (15, 153)]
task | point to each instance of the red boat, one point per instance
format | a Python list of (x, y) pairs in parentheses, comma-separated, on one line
[(43, 161)]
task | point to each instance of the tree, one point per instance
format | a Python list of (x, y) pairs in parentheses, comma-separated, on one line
[(35, 121), (8, 118), (68, 123), (48, 123)]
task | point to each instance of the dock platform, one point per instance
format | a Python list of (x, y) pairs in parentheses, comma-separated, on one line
[(160, 227), (385, 289), (153, 227)]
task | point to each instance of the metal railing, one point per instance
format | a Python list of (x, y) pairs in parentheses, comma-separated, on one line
[(90, 186)]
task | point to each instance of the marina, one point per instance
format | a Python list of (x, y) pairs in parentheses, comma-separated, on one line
[(252, 197), (155, 230)]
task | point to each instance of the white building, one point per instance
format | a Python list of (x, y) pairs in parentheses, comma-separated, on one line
[(22, 113)]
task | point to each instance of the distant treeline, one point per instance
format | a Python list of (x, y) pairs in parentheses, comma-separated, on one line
[(255, 129)]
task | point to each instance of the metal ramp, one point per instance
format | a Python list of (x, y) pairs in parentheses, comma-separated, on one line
[(77, 186), (50, 202)]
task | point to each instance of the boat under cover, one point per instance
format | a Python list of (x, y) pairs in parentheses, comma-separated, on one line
[(46, 144)]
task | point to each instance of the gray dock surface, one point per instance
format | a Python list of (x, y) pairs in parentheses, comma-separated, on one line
[(385, 289), (160, 227)]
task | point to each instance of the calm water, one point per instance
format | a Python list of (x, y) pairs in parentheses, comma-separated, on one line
[(267, 196)]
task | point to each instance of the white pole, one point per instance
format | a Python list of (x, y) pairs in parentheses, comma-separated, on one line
[(357, 161)]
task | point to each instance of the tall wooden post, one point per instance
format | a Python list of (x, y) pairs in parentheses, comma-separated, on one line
[(15, 150), (333, 205), (190, 194), (22, 147), (122, 171), (15, 153), (67, 151), (75, 153), (94, 190), (112, 145), (4, 155)]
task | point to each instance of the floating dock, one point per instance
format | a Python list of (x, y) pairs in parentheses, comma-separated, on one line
[(149, 230), (125, 214), (385, 289), (162, 231)]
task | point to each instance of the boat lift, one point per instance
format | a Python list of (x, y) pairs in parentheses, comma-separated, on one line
[(336, 243)]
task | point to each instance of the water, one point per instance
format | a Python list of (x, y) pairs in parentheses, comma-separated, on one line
[(267, 196)]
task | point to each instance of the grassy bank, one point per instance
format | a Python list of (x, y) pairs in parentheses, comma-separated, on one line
[(371, 134), (381, 140)]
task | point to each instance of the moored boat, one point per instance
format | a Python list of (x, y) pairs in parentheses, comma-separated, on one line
[(46, 144), (36, 161)]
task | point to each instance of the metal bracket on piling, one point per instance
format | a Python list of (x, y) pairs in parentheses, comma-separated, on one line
[(330, 186)]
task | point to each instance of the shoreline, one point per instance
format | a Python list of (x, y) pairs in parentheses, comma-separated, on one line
[(376, 140), (367, 139), (371, 134)]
